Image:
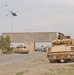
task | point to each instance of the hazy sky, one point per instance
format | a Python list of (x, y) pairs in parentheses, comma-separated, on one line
[(38, 16)]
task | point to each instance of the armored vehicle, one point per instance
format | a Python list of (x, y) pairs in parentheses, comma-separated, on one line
[(62, 49), (21, 49)]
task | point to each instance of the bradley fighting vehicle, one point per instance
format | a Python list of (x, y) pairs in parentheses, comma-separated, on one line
[(21, 49), (62, 49)]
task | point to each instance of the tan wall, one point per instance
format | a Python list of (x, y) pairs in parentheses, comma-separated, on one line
[(30, 46), (31, 37)]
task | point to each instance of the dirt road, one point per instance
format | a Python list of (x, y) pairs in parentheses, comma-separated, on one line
[(16, 57), (33, 64)]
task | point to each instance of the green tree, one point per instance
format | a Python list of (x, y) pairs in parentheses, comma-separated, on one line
[(1, 42), (5, 44)]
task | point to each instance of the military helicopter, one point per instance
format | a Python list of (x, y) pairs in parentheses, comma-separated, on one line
[(13, 13)]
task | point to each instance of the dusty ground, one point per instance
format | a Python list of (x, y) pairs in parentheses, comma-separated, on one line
[(36, 65)]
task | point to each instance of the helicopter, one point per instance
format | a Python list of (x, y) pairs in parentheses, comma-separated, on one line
[(13, 13)]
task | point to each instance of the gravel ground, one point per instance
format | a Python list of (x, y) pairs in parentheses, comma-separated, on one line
[(33, 64)]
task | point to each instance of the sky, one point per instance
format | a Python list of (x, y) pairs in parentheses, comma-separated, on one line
[(37, 16)]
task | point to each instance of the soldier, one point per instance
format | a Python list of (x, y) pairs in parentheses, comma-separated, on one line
[(61, 36)]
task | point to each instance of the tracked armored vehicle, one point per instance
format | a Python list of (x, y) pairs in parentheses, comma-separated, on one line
[(21, 49), (62, 49)]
